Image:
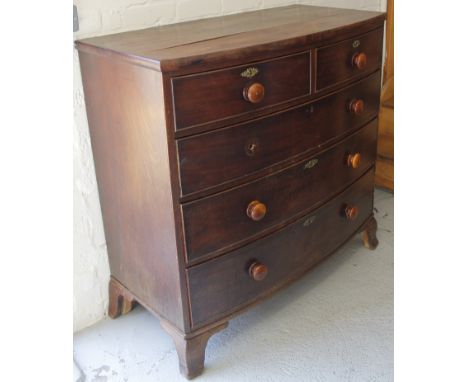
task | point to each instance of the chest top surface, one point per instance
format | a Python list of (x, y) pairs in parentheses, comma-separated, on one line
[(212, 41)]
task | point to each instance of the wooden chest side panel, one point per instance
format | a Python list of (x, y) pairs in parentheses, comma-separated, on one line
[(126, 118)]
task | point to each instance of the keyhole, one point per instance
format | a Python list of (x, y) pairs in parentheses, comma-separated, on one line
[(251, 147)]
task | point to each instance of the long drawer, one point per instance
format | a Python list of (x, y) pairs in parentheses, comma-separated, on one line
[(216, 222), (225, 284), (219, 94), (216, 157)]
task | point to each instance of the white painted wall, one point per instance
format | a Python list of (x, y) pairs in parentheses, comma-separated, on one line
[(98, 17)]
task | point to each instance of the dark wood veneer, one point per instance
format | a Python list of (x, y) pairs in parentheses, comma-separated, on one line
[(348, 59), (217, 222), (196, 46), (230, 158), (288, 252), (220, 156), (134, 181), (221, 93)]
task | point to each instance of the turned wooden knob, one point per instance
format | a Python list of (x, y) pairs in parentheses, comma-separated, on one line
[(354, 160), (256, 210), (351, 212), (359, 60), (254, 92), (356, 106), (258, 271)]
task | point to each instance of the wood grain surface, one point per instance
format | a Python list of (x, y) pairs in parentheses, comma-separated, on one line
[(224, 284), (124, 103), (232, 154), (214, 224), (223, 156), (235, 38), (335, 62), (219, 94)]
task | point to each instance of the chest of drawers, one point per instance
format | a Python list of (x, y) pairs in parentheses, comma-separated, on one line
[(232, 155)]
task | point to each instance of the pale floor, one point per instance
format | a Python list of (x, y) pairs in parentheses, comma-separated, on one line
[(335, 324)]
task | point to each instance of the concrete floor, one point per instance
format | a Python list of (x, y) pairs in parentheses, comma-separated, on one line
[(335, 324)]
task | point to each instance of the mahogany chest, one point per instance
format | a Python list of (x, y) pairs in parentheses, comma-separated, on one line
[(232, 155)]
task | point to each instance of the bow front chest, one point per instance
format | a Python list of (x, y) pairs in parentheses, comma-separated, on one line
[(232, 155)]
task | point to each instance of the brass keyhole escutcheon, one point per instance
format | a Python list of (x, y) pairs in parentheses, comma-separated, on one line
[(252, 147), (250, 72), (309, 109), (308, 221), (311, 163)]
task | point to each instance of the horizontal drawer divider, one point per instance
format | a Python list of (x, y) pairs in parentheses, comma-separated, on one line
[(283, 224), (268, 111), (214, 223), (232, 270), (276, 168)]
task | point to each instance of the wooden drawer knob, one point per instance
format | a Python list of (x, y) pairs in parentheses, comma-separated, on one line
[(359, 60), (258, 271), (254, 92), (356, 106), (256, 210), (354, 160), (351, 212)]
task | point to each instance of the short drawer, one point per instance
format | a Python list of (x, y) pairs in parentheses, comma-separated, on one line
[(211, 96), (228, 283), (213, 223), (220, 156), (348, 59)]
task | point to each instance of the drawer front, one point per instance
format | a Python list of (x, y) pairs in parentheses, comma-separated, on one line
[(216, 157), (214, 223), (220, 94), (349, 59), (225, 284)]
